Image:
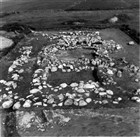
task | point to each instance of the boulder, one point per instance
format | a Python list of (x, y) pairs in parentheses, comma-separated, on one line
[(16, 106), (114, 19), (5, 43), (68, 102), (82, 103), (88, 100), (33, 91), (110, 92), (51, 101), (81, 90), (7, 104), (74, 85), (27, 103), (63, 85), (53, 69), (89, 86), (131, 43), (102, 93)]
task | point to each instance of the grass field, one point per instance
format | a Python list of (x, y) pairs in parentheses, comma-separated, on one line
[(29, 5), (105, 4), (54, 19)]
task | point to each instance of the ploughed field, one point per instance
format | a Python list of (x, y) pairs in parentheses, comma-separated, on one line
[(55, 78)]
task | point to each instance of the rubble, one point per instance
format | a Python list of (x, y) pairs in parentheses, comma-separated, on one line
[(55, 58)]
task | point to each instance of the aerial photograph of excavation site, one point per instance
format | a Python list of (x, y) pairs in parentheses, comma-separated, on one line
[(69, 68)]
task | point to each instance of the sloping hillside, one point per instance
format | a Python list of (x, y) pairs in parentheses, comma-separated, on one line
[(105, 4), (27, 5)]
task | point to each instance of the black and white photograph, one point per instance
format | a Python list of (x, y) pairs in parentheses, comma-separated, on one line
[(69, 68)]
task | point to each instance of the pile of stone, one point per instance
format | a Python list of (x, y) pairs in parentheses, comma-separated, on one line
[(48, 63)]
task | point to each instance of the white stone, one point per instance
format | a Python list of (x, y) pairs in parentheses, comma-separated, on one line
[(27, 104), (40, 87), (68, 102), (88, 100), (33, 91), (3, 81), (74, 85), (5, 43), (15, 76), (138, 91), (7, 104), (82, 103), (102, 93), (37, 84), (135, 98), (81, 90), (110, 72), (61, 97), (60, 104), (38, 104), (63, 85), (21, 71), (69, 95), (136, 80), (119, 98), (131, 43), (16, 97), (55, 90), (138, 100), (69, 70), (119, 74), (50, 101), (16, 106), (36, 80), (89, 86), (45, 105), (81, 85), (104, 101), (53, 69), (115, 102), (71, 67), (60, 66), (45, 100), (101, 89), (110, 92), (114, 19), (96, 91), (10, 69)]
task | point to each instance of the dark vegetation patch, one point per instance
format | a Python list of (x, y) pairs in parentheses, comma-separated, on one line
[(103, 5), (32, 5), (131, 32), (77, 22), (20, 29), (17, 28)]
